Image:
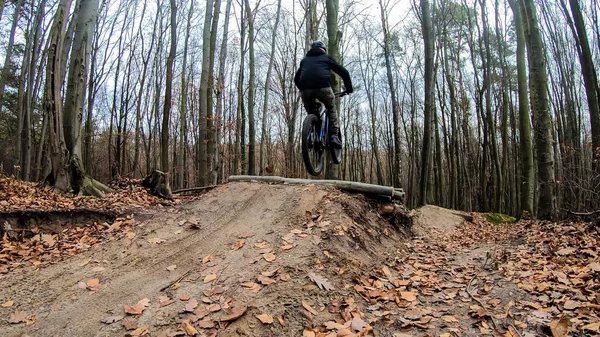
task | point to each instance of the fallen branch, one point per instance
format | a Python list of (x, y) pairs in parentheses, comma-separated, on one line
[(395, 193), (585, 213), (176, 281), (194, 189)]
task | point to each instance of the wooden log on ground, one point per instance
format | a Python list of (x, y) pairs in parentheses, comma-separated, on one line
[(394, 193)]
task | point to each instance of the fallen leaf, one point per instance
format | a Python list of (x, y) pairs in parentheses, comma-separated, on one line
[(207, 259), (408, 296), (285, 276), (358, 324), (112, 319), (520, 324), (595, 266), (239, 244), (236, 313), (592, 327), (566, 251), (191, 305), (450, 319), (172, 267), (265, 280), (281, 321), (559, 326), (265, 318), (143, 331), (97, 269), (18, 317), (206, 323), (213, 307), (321, 282), (93, 283), (269, 257), (210, 277), (129, 324), (164, 301), (309, 308), (8, 304), (187, 327), (157, 240), (571, 305), (308, 333), (134, 309)]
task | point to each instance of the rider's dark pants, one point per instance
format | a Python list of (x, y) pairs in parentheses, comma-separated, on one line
[(325, 96)]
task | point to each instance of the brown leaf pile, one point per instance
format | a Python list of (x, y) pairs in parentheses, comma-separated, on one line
[(18, 195), (42, 249), (559, 266)]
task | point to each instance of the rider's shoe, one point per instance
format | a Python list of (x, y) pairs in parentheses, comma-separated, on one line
[(336, 142)]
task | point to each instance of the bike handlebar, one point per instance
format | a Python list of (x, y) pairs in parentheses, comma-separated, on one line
[(341, 94)]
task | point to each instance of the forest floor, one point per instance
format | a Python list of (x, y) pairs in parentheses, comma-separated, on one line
[(251, 259)]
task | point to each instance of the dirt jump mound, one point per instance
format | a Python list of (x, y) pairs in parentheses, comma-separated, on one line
[(246, 259)]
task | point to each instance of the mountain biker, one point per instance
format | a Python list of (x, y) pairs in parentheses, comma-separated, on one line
[(312, 79)]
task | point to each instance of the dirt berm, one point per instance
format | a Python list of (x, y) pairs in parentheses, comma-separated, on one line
[(243, 254)]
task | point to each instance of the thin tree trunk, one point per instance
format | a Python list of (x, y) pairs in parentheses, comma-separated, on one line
[(183, 104), (395, 105), (219, 91), (590, 79), (211, 122), (428, 37), (527, 174), (264, 132), (204, 85), (9, 50), (538, 80), (251, 80)]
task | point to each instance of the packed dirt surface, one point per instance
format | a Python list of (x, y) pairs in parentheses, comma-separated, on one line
[(429, 217), (250, 259)]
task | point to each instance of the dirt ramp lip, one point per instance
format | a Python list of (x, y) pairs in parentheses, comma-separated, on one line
[(275, 249)]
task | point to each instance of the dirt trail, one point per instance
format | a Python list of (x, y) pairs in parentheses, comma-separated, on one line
[(130, 271), (250, 259)]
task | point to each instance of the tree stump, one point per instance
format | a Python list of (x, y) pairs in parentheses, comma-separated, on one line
[(158, 183)]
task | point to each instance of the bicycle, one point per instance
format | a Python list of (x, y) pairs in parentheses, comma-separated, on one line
[(315, 139)]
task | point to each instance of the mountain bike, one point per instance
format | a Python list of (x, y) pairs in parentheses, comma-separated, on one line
[(315, 140)]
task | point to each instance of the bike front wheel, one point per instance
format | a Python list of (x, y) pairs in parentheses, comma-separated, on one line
[(312, 146)]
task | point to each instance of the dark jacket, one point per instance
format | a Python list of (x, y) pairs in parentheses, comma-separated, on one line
[(314, 71)]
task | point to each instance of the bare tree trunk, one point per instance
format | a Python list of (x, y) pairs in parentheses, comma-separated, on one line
[(428, 38), (251, 80), (334, 35), (590, 78), (265, 110), (538, 80), (212, 123), (75, 97), (53, 102), (219, 91), (527, 174), (138, 107), (183, 105), (204, 79), (164, 139), (395, 105), (9, 50)]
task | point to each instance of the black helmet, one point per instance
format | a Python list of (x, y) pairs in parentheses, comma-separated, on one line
[(318, 44)]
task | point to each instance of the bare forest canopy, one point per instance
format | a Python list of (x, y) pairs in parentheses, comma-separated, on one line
[(479, 105)]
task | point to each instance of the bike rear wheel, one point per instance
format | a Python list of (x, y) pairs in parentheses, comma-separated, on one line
[(336, 154), (312, 146)]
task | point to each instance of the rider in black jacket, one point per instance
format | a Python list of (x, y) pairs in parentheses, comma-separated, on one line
[(313, 80)]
